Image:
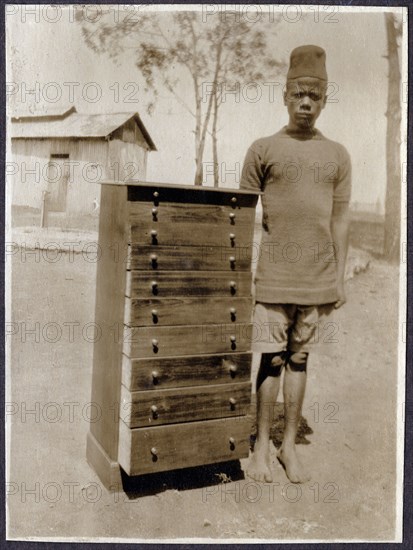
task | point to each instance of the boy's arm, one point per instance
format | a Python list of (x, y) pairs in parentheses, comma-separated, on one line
[(340, 222), (252, 174)]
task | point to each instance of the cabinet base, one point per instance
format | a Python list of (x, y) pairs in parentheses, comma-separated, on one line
[(108, 470), (116, 480)]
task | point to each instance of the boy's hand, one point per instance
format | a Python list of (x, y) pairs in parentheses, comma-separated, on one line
[(341, 297)]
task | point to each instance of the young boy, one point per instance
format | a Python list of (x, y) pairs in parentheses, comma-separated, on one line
[(306, 181)]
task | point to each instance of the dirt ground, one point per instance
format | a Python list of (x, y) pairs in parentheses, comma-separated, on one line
[(350, 406)]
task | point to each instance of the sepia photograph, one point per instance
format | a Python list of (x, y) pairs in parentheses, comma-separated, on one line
[(205, 272)]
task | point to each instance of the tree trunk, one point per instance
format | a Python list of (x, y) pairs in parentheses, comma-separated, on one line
[(198, 158), (393, 114), (200, 154), (199, 172), (215, 141)]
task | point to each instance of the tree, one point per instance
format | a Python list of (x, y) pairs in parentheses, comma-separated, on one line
[(215, 53), (393, 114)]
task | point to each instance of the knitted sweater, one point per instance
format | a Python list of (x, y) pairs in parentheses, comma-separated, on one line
[(301, 176)]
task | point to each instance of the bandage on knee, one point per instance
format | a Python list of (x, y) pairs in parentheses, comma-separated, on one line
[(298, 361)]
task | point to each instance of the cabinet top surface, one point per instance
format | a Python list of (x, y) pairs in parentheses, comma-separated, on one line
[(196, 188)]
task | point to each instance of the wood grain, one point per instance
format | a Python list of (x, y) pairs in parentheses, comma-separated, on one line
[(109, 312), (143, 408), (165, 284), (185, 234), (144, 214), (186, 311), (183, 445), (190, 258), (186, 340), (178, 372)]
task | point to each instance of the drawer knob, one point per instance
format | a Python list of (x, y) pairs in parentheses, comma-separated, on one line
[(233, 369), (154, 287), (154, 315), (154, 451), (231, 443), (232, 238), (233, 340), (232, 261), (154, 235), (154, 411), (155, 345), (154, 213), (233, 287), (232, 217), (156, 194), (154, 261), (234, 200), (233, 313), (232, 402), (155, 376)]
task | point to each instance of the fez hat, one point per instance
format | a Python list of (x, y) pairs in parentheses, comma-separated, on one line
[(307, 61)]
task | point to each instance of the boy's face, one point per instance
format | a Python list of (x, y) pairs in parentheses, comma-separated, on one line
[(304, 98)]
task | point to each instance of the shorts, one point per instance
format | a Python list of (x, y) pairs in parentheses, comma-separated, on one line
[(281, 327)]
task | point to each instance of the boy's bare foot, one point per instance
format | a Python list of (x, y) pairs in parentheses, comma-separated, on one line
[(295, 471), (259, 465)]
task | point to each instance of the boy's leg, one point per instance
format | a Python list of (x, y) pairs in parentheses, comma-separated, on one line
[(268, 385), (294, 387), (302, 335)]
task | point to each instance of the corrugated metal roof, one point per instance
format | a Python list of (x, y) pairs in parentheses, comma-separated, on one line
[(75, 125)]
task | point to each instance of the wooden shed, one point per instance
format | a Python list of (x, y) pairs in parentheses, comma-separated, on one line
[(67, 153)]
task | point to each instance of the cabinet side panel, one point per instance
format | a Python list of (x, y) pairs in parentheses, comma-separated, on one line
[(109, 315)]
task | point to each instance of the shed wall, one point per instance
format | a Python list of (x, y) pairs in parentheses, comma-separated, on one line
[(90, 161)]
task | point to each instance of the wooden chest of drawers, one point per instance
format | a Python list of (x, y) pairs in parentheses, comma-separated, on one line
[(171, 368)]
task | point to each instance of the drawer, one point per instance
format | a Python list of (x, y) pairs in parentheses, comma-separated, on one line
[(178, 372), (191, 258), (160, 448), (163, 284), (159, 194), (190, 224), (186, 340), (143, 408), (186, 311), (187, 234), (143, 214)]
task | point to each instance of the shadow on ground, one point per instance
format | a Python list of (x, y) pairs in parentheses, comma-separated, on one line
[(277, 428), (182, 480), (212, 474)]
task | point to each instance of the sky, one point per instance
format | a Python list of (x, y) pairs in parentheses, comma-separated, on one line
[(52, 53)]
